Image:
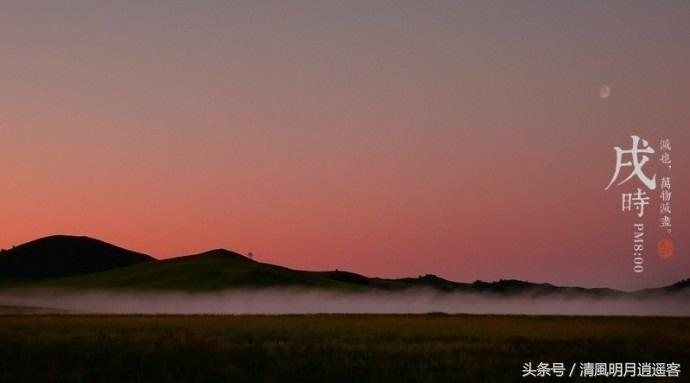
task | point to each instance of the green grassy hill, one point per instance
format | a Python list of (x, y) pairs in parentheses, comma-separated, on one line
[(41, 266), (86, 263), (212, 270)]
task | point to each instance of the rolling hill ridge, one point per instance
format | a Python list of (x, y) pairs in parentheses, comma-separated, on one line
[(85, 263)]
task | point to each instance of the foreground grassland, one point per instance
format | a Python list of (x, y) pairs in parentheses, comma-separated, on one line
[(324, 348)]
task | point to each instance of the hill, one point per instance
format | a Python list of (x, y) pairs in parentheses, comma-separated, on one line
[(86, 263), (213, 270), (64, 255)]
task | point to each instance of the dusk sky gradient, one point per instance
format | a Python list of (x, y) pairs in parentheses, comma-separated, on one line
[(463, 139)]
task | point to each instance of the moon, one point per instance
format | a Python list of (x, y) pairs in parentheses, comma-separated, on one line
[(604, 91), (664, 248)]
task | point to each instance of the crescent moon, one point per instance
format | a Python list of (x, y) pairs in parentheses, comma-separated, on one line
[(604, 91)]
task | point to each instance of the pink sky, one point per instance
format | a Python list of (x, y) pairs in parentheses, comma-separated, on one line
[(463, 140)]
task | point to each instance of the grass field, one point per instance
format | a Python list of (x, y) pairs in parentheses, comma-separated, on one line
[(323, 348)]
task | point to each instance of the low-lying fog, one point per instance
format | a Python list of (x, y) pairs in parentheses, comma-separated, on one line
[(288, 301)]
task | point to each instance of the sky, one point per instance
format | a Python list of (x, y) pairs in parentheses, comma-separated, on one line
[(464, 139)]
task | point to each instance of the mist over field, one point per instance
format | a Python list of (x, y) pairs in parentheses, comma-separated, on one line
[(304, 301)]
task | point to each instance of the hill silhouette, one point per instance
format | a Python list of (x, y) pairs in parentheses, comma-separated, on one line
[(64, 255), (85, 263), (208, 271)]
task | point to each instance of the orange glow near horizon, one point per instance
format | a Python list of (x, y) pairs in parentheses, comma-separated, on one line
[(456, 139)]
